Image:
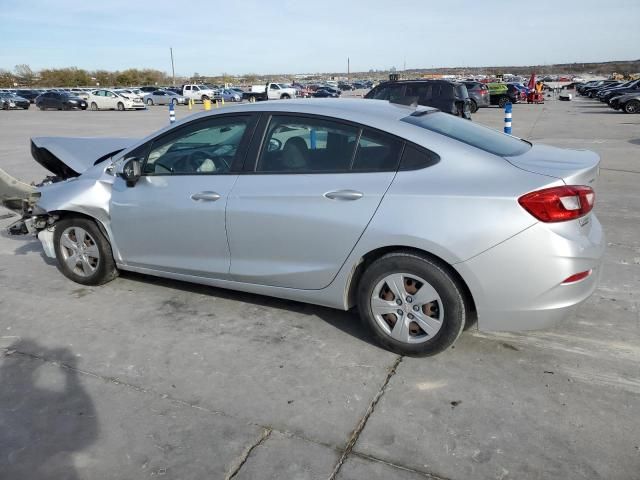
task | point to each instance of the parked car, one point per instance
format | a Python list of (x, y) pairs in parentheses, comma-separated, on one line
[(478, 94), (130, 92), (499, 94), (592, 91), (148, 89), (270, 91), (450, 97), (344, 86), (60, 101), (363, 170), (10, 100), (628, 103), (164, 97), (29, 94), (111, 100), (197, 93), (629, 87), (325, 93), (229, 95)]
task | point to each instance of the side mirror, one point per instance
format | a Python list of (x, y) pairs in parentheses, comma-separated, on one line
[(131, 171)]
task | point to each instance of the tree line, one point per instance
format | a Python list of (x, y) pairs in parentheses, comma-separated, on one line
[(24, 76)]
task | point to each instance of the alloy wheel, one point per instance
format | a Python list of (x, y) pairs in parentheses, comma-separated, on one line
[(79, 251)]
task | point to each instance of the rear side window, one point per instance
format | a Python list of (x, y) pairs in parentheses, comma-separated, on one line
[(420, 90), (377, 152), (470, 133), (305, 145), (387, 92)]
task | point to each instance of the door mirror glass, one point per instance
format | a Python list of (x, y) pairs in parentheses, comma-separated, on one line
[(131, 171)]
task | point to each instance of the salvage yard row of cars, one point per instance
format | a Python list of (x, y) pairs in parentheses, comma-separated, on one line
[(457, 98), (622, 96)]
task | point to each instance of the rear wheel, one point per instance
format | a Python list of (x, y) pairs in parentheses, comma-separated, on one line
[(83, 252), (94, 106), (149, 102), (632, 106), (121, 106), (412, 305), (473, 106)]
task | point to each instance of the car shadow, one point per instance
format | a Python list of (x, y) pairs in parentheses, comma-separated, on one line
[(45, 419), (347, 322)]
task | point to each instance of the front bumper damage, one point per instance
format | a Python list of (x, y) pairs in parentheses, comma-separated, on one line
[(21, 198)]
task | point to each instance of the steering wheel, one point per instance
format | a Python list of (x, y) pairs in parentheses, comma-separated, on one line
[(191, 162), (274, 145)]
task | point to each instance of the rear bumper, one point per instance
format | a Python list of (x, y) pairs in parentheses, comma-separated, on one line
[(517, 285)]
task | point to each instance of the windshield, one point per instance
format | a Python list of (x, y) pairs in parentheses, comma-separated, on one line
[(484, 138)]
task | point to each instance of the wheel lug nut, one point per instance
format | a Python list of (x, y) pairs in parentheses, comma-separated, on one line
[(410, 316), (416, 308), (399, 302), (409, 299), (400, 312)]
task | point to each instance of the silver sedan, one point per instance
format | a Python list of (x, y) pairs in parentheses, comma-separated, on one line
[(163, 97), (423, 221)]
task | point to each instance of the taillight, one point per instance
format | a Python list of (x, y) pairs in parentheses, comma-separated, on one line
[(559, 204)]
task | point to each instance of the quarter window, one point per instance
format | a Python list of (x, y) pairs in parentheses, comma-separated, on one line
[(377, 152), (207, 147), (301, 145)]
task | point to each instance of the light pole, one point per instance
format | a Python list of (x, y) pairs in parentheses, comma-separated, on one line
[(173, 70)]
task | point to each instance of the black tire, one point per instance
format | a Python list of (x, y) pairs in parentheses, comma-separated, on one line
[(502, 101), (105, 269), (473, 106), (285, 96), (632, 106), (174, 102), (434, 273), (203, 98), (27, 107), (121, 106), (149, 102), (94, 106)]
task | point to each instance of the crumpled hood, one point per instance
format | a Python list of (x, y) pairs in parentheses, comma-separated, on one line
[(68, 157)]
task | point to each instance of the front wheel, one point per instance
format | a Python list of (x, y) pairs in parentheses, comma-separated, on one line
[(203, 98), (121, 106), (632, 106), (83, 252), (474, 106), (149, 102), (174, 102), (411, 303), (285, 96), (94, 106)]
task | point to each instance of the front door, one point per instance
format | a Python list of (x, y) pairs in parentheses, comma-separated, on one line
[(173, 219), (295, 218)]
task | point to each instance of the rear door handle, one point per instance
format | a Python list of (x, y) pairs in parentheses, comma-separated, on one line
[(205, 196), (344, 195)]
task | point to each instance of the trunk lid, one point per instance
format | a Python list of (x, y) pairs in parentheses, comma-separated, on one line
[(574, 167)]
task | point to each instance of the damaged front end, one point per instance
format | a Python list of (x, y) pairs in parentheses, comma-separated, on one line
[(66, 191)]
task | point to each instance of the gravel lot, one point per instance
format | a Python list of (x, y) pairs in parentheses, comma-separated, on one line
[(146, 377)]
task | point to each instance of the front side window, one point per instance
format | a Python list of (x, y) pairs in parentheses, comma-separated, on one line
[(303, 145), (206, 147)]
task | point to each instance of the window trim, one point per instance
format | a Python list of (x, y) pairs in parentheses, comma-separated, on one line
[(241, 155), (259, 140)]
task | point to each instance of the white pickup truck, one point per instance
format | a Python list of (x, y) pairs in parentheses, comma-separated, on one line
[(198, 93), (270, 91)]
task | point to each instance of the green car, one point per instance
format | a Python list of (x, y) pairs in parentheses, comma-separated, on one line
[(498, 94)]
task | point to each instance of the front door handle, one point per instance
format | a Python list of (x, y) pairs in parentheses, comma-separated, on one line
[(205, 196), (344, 195)]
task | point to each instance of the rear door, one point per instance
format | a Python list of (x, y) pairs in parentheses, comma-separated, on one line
[(293, 219)]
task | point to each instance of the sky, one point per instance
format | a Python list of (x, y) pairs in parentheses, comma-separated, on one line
[(287, 36)]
